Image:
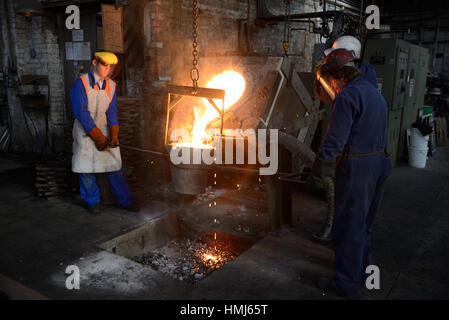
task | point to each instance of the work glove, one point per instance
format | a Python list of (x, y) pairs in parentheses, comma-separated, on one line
[(321, 169), (101, 142), (113, 134)]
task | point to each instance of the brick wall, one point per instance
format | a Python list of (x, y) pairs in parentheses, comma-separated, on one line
[(40, 33), (37, 52)]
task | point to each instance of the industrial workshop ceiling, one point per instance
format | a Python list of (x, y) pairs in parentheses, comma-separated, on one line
[(414, 14)]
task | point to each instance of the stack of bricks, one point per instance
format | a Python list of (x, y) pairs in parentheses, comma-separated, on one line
[(54, 178)]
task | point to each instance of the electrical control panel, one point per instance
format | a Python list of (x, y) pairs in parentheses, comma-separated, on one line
[(401, 69)]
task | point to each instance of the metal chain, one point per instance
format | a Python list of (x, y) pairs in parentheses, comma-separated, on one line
[(194, 73), (285, 43)]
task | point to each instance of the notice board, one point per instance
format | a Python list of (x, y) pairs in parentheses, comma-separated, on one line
[(113, 28)]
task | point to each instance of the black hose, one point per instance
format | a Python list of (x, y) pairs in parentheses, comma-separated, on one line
[(25, 115)]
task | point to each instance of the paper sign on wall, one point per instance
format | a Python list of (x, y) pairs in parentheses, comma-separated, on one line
[(77, 51), (77, 35), (69, 50)]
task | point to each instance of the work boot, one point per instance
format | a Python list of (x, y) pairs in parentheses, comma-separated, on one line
[(328, 286), (280, 232), (133, 207), (95, 209)]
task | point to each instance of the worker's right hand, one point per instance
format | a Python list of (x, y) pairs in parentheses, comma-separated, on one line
[(101, 142), (324, 168)]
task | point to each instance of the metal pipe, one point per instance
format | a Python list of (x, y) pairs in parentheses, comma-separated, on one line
[(305, 21), (246, 54), (342, 4), (11, 22), (416, 13), (360, 20), (319, 14), (420, 34), (143, 150), (4, 30), (389, 31), (435, 45), (413, 20), (288, 175), (213, 166), (248, 26)]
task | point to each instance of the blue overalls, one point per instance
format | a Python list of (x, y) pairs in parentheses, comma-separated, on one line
[(117, 180), (368, 73), (358, 131)]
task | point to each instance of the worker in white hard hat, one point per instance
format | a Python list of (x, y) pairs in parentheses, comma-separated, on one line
[(353, 44), (95, 133), (353, 155)]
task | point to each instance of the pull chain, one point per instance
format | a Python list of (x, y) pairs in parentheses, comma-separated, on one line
[(285, 43), (194, 73)]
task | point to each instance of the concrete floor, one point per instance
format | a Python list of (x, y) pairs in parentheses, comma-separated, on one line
[(40, 238)]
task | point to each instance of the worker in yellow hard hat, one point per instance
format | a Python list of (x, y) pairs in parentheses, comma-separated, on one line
[(95, 133)]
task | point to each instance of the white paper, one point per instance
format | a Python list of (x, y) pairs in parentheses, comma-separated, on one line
[(76, 50), (85, 51), (69, 51), (77, 35), (81, 51)]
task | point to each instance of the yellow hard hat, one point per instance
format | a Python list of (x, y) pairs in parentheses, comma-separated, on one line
[(107, 57)]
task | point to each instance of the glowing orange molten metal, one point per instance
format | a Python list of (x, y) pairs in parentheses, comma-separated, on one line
[(234, 85), (210, 257)]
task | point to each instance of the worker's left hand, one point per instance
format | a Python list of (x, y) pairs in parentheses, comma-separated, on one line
[(314, 183), (113, 144), (321, 170), (113, 134)]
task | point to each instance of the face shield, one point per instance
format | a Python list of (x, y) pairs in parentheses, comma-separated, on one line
[(115, 71), (323, 87), (108, 60), (325, 84)]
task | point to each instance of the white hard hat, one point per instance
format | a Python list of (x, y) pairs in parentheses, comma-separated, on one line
[(346, 42)]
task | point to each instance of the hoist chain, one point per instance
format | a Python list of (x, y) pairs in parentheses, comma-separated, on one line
[(286, 42), (194, 73)]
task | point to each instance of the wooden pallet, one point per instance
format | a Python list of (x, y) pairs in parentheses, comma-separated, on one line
[(441, 132)]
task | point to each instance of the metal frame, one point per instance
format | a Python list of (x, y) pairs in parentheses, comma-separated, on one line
[(199, 92)]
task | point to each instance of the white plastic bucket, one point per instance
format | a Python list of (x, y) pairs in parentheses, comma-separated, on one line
[(417, 140), (417, 157)]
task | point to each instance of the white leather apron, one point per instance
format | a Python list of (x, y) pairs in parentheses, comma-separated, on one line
[(86, 157)]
